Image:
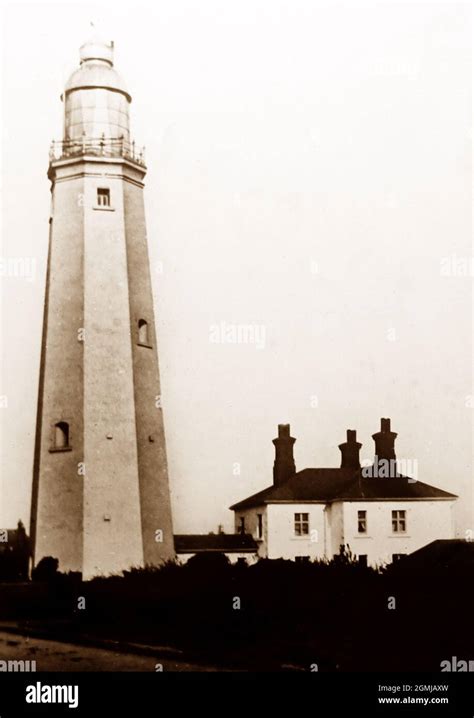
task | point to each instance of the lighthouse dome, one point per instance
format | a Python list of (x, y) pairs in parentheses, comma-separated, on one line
[(95, 96)]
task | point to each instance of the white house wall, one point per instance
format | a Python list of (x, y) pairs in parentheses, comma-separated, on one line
[(282, 542), (426, 521), (336, 528), (333, 525)]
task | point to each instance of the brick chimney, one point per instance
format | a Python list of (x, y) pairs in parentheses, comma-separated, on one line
[(350, 451), (385, 441), (284, 466)]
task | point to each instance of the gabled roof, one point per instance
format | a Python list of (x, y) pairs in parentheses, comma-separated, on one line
[(327, 485), (226, 543)]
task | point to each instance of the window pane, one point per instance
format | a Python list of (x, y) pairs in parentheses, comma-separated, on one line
[(103, 197), (61, 435), (142, 331)]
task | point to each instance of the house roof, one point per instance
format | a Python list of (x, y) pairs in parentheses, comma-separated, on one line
[(226, 543), (328, 485), (16, 539), (440, 553)]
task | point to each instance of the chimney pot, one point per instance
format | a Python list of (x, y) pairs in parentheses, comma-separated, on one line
[(350, 451), (284, 466), (384, 425), (385, 441)]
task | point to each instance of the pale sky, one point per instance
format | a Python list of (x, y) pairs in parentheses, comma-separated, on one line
[(309, 170)]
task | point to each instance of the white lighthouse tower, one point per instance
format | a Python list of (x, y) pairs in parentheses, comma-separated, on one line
[(101, 499)]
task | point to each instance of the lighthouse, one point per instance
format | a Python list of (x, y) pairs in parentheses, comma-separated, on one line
[(100, 499)]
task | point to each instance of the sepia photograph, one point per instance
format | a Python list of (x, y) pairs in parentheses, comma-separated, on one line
[(237, 366)]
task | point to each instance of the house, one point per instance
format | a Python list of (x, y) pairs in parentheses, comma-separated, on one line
[(237, 547), (14, 554), (376, 512)]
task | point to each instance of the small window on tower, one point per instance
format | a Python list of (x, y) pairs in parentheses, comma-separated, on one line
[(61, 436), (103, 197), (143, 334)]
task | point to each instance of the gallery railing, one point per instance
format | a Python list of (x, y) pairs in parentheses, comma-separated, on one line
[(97, 147)]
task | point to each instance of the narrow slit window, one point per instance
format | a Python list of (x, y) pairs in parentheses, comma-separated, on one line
[(61, 435), (103, 197), (143, 337), (362, 522)]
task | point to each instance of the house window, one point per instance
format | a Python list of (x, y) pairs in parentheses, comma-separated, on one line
[(362, 522), (259, 526), (301, 524), (143, 337), (103, 197), (302, 559), (242, 525), (362, 559), (399, 522), (61, 435)]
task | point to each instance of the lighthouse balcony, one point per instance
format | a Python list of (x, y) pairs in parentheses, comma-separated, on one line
[(97, 147)]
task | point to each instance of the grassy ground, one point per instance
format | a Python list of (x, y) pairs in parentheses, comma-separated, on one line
[(337, 616)]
